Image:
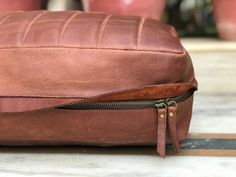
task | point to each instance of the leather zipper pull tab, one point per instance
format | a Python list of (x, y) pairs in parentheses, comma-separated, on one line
[(172, 111), (161, 128)]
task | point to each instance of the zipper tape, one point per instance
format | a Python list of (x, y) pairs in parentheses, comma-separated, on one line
[(126, 104)]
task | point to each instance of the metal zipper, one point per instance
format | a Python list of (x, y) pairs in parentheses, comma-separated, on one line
[(166, 114), (128, 104)]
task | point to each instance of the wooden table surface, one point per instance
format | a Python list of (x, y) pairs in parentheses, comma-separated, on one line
[(213, 122)]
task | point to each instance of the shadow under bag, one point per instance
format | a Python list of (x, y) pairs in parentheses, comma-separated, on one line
[(69, 78)]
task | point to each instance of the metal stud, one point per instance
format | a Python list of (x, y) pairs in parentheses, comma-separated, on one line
[(171, 114), (162, 116)]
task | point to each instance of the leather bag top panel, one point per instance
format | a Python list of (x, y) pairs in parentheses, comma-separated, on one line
[(74, 56), (86, 30)]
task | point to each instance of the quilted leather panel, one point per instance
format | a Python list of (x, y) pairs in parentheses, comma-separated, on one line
[(85, 30)]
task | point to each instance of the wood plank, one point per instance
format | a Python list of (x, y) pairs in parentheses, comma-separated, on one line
[(211, 136), (204, 152), (207, 143)]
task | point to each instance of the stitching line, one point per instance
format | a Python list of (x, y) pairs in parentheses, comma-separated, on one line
[(88, 48), (67, 22), (44, 95), (31, 23), (140, 30), (4, 19), (82, 97), (101, 29)]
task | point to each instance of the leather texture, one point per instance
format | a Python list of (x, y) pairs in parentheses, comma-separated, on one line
[(50, 59), (161, 130), (89, 127), (172, 111)]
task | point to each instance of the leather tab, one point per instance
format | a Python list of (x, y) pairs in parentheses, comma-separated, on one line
[(172, 110), (161, 131)]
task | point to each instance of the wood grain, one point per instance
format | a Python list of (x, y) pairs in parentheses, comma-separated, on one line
[(211, 136), (204, 152)]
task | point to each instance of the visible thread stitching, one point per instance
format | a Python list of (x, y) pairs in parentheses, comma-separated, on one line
[(101, 29), (31, 23), (140, 30), (4, 19), (44, 95), (87, 48), (74, 96), (67, 22)]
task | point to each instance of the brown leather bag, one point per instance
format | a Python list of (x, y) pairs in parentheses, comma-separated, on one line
[(92, 79)]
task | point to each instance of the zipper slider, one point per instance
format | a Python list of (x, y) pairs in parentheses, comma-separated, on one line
[(171, 118), (161, 108)]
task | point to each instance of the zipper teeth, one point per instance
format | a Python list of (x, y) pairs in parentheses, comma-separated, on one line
[(130, 104), (109, 104)]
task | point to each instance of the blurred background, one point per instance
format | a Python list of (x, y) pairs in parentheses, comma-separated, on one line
[(191, 18)]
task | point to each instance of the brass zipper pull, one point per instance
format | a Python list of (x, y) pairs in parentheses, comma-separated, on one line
[(171, 118), (161, 127)]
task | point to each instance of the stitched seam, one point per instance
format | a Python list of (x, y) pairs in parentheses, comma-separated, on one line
[(66, 24), (140, 30), (41, 21), (4, 19), (43, 95), (101, 29), (74, 96), (86, 48), (31, 23)]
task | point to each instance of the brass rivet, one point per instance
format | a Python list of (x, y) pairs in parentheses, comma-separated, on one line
[(171, 114), (162, 116)]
